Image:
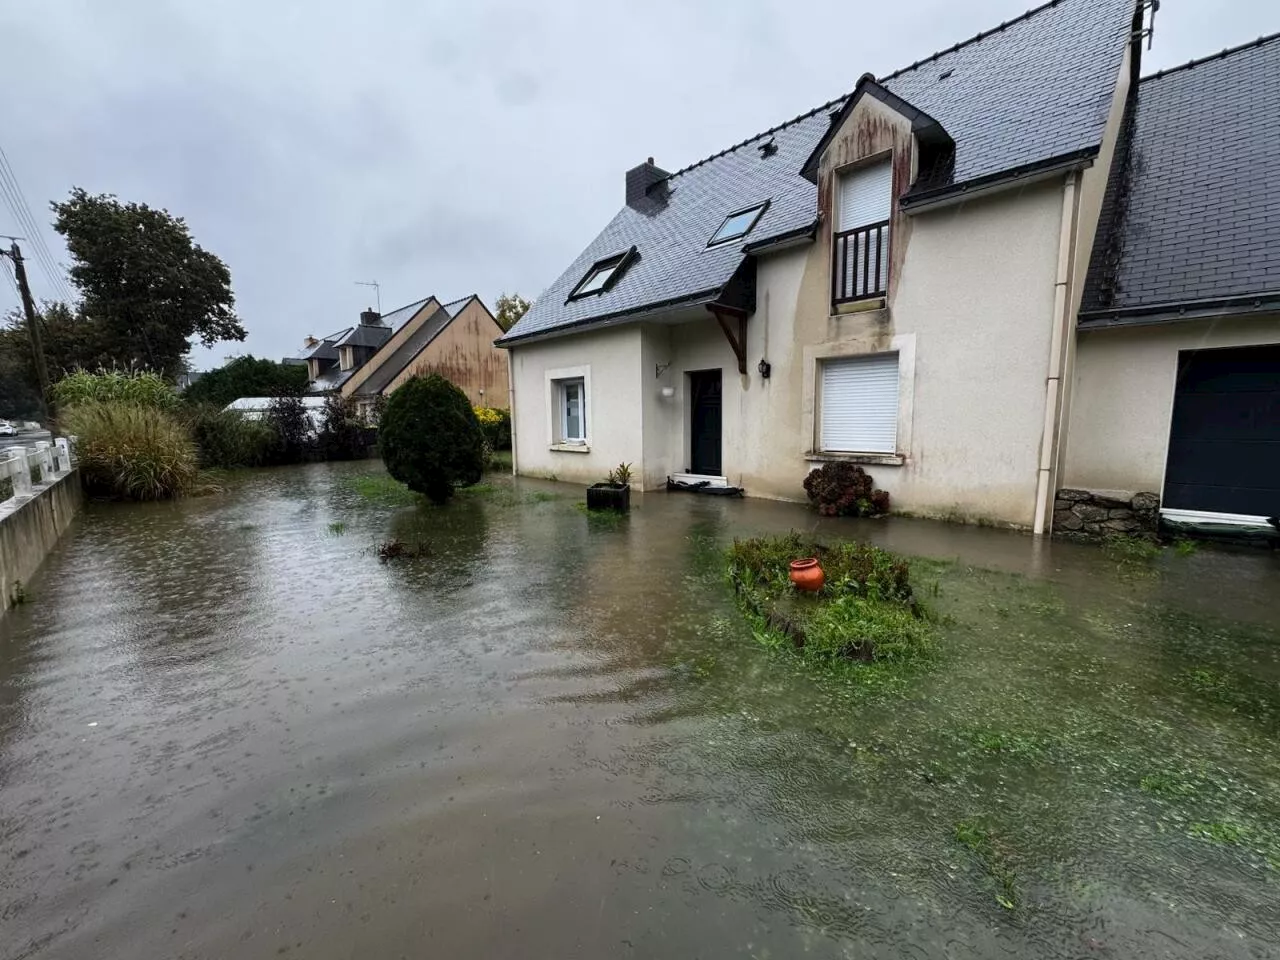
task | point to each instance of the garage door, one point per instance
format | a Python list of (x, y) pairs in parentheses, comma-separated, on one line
[(1224, 442)]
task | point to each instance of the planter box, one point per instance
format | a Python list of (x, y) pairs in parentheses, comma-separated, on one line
[(609, 496)]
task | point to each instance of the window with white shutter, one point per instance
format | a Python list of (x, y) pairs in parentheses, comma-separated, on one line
[(859, 404), (864, 206)]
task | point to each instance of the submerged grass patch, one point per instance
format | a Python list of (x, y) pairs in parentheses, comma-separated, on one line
[(381, 488), (864, 621), (991, 852)]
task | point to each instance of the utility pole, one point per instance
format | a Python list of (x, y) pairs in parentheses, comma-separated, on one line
[(14, 253)]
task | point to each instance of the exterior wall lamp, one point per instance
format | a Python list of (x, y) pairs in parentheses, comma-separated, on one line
[(765, 369), (668, 392), (660, 368)]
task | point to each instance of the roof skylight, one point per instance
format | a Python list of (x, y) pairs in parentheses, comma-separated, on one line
[(602, 275), (737, 225)]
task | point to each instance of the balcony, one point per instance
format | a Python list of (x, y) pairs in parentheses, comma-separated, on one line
[(860, 263)]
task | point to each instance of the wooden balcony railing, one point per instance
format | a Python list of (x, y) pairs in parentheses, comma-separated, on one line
[(860, 263)]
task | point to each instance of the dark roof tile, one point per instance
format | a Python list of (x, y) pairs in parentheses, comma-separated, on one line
[(1192, 211), (1033, 89)]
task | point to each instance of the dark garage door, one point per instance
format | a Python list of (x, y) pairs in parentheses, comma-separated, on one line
[(1224, 444)]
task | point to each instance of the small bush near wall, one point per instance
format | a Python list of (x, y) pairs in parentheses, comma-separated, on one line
[(496, 424), (343, 435), (132, 452), (841, 489), (293, 435), (227, 439), (430, 438)]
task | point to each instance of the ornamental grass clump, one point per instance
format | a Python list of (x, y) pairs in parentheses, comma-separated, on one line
[(865, 614), (132, 452), (142, 388)]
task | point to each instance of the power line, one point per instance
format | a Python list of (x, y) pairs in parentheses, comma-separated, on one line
[(17, 203), (13, 281), (39, 247), (23, 223)]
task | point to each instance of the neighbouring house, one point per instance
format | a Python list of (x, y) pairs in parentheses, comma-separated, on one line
[(455, 340), (895, 278), (1176, 366), (332, 360), (256, 408)]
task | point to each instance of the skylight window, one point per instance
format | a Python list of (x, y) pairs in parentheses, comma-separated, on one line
[(602, 275), (738, 224)]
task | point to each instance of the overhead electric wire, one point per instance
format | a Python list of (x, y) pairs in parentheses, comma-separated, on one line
[(16, 200), (37, 244)]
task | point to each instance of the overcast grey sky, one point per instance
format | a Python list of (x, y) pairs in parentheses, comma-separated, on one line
[(438, 148)]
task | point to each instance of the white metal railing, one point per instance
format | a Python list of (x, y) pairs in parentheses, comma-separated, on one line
[(49, 461)]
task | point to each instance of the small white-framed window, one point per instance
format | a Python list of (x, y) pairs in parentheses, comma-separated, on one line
[(571, 407), (858, 404)]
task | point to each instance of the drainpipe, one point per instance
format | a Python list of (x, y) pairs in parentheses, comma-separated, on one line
[(511, 405), (1057, 349)]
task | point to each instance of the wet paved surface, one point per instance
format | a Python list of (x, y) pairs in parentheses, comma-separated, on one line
[(226, 729)]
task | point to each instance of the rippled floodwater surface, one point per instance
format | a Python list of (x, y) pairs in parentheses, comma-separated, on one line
[(228, 730)]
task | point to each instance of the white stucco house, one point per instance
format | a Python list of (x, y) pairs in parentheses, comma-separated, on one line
[(899, 277)]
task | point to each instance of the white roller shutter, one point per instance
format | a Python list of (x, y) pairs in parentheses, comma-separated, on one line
[(859, 404), (865, 196)]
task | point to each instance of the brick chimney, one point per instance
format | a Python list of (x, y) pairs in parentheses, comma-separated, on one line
[(370, 317), (640, 179)]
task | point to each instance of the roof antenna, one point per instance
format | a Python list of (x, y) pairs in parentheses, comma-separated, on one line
[(377, 290)]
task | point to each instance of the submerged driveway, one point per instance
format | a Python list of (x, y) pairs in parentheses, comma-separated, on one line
[(228, 730)]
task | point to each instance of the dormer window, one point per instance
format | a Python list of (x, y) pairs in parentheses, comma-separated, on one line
[(603, 275), (864, 206), (738, 225)]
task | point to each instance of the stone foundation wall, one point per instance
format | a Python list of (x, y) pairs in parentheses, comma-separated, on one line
[(1098, 514)]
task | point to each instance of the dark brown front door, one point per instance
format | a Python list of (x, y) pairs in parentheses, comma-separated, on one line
[(705, 422)]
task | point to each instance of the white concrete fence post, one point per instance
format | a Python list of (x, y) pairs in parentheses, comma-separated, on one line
[(20, 471), (44, 461), (64, 454)]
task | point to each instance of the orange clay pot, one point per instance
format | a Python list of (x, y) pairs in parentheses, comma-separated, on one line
[(807, 574)]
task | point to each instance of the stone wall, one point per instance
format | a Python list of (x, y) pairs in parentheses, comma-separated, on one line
[(1098, 514), (29, 528)]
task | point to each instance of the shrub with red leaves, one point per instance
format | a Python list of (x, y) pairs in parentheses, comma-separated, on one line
[(840, 489)]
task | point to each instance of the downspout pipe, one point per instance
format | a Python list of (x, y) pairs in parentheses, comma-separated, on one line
[(511, 405), (1057, 358)]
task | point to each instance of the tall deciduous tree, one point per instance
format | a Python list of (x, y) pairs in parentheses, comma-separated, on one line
[(510, 308), (144, 278), (71, 341)]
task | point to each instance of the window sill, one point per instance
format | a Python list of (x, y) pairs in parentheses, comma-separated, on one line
[(874, 459), (858, 306), (569, 448)]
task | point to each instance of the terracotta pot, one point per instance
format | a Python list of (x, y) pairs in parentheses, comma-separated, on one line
[(807, 574)]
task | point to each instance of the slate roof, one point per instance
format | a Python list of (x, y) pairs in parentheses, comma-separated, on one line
[(1192, 215), (327, 348), (331, 379), (1034, 89), (414, 344), (403, 314), (366, 335), (455, 307)]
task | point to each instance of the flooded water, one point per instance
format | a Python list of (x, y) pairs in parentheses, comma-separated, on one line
[(228, 730)]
